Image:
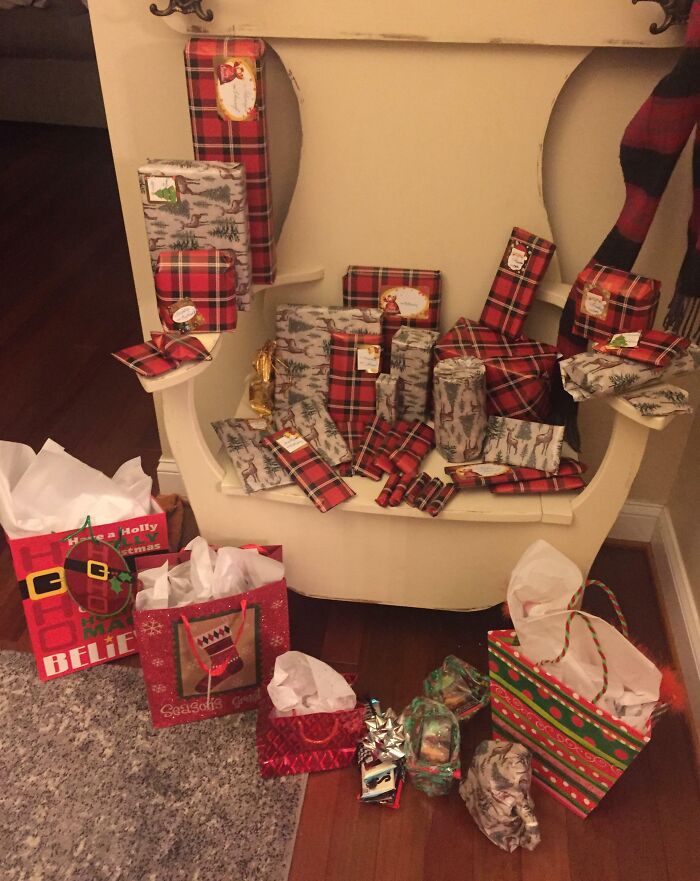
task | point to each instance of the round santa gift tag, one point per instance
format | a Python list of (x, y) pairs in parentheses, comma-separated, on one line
[(98, 577)]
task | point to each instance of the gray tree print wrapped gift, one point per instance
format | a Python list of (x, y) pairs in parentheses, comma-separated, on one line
[(256, 467), (516, 442), (303, 350), (496, 791), (387, 397), (660, 400), (311, 420), (459, 396), (190, 205), (411, 361)]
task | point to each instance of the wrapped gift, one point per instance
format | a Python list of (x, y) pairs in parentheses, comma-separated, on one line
[(417, 442), (411, 360), (652, 347), (608, 301), (227, 111), (488, 474), (432, 746), (374, 435), (518, 372), (459, 686), (392, 440), (518, 442), (440, 499), (408, 297), (387, 396), (660, 400), (353, 433), (459, 394), (255, 465), (312, 421), (392, 483), (162, 353), (522, 267), (354, 367), (196, 290), (303, 346), (552, 484), (190, 205)]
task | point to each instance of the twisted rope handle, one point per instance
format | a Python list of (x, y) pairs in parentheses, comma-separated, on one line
[(593, 582), (596, 641)]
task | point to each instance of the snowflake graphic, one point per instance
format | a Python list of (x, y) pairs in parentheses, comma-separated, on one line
[(152, 628), (277, 604), (158, 689), (276, 641), (157, 662)]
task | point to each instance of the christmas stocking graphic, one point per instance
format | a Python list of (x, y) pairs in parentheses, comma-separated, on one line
[(218, 643)]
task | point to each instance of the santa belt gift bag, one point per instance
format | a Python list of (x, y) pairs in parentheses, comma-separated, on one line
[(210, 658)]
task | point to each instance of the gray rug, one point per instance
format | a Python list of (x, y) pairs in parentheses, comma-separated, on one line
[(90, 792)]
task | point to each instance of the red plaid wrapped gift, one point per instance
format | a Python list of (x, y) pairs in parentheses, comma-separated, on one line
[(165, 352), (522, 267), (196, 290), (416, 445), (308, 470), (438, 502), (653, 347), (392, 483), (551, 484), (392, 441), (353, 434), (518, 372), (406, 297), (608, 300), (480, 474), (374, 435), (227, 112), (354, 367)]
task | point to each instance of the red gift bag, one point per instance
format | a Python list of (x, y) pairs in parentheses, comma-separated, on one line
[(300, 744), (209, 659)]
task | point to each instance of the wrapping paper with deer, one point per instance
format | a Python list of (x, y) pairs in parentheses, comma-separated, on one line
[(517, 442), (387, 397), (312, 421), (459, 393), (257, 468), (411, 357)]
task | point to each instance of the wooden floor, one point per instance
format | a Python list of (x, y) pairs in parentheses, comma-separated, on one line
[(69, 301)]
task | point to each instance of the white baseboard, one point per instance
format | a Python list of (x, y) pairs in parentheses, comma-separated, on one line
[(637, 521), (169, 477)]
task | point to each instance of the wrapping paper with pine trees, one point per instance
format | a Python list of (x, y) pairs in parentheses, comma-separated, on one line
[(196, 290), (303, 347), (255, 465), (459, 395), (496, 792), (190, 205), (518, 442), (660, 400), (589, 374), (411, 362), (311, 420), (387, 397)]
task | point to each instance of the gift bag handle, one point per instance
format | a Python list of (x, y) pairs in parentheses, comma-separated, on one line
[(219, 669), (596, 642), (317, 741), (593, 582)]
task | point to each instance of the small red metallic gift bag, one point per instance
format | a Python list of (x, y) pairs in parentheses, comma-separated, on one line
[(609, 300), (300, 744)]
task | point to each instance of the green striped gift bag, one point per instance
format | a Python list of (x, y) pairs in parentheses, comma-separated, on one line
[(578, 750)]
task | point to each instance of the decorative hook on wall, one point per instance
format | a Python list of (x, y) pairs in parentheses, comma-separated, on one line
[(675, 12), (186, 7)]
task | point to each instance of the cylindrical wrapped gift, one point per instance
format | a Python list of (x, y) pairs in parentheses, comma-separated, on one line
[(459, 389), (387, 400)]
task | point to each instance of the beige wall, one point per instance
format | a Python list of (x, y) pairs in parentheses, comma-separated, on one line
[(684, 500)]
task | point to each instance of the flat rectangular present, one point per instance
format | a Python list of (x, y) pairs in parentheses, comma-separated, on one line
[(163, 353), (519, 442), (654, 347), (411, 364), (312, 421), (488, 474), (551, 484), (255, 465), (196, 290), (521, 269), (609, 300), (225, 84), (354, 366), (190, 205)]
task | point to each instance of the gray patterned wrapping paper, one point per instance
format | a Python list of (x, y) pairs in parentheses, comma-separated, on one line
[(517, 442), (311, 420), (411, 361), (496, 791), (303, 350), (387, 397), (256, 467), (660, 400), (459, 395)]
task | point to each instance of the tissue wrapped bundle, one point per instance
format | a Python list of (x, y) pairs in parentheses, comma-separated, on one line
[(411, 361), (497, 794), (255, 465), (432, 745), (518, 442), (459, 394)]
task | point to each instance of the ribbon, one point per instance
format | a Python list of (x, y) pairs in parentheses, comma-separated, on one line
[(385, 735)]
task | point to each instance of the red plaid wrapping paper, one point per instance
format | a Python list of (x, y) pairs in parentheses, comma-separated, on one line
[(406, 297), (164, 353), (416, 489), (438, 502), (309, 471), (196, 290), (465, 478), (402, 488), (551, 484), (352, 433), (414, 448), (393, 481), (375, 433), (654, 347), (352, 392), (522, 267), (608, 300), (429, 492), (392, 441), (518, 372), (220, 70)]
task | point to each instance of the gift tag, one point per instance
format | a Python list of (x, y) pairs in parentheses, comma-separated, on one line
[(185, 316), (518, 255), (368, 358), (161, 188), (408, 302), (627, 340), (594, 301), (487, 469), (236, 89), (292, 441)]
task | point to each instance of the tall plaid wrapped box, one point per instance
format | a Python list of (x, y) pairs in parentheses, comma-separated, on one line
[(518, 372), (608, 300), (303, 347), (459, 393), (409, 297), (190, 205), (354, 367), (521, 269), (411, 363), (578, 750), (196, 290), (227, 111)]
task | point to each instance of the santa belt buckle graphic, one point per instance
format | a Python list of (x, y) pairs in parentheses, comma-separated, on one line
[(97, 570)]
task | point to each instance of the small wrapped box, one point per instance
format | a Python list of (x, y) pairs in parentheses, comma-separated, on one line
[(194, 205), (518, 442), (654, 347), (411, 361), (313, 422), (459, 392), (609, 301), (432, 746), (255, 465), (387, 397), (227, 110), (196, 291)]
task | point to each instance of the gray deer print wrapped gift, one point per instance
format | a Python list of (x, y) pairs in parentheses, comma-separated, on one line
[(257, 468), (496, 791), (459, 395), (411, 360), (517, 442), (312, 421), (387, 397)]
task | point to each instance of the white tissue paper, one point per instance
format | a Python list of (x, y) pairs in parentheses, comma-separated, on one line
[(51, 491), (540, 589), (209, 574), (302, 685)]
